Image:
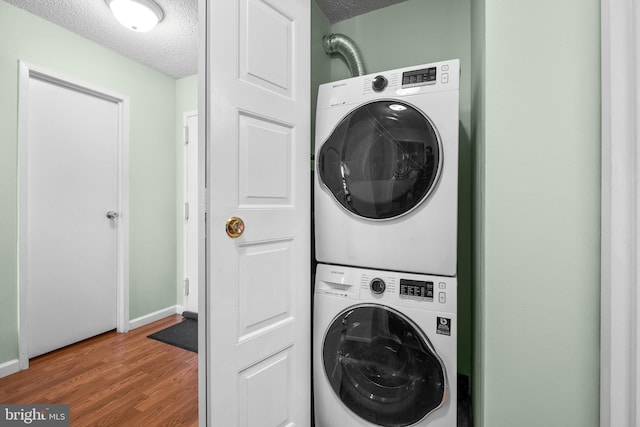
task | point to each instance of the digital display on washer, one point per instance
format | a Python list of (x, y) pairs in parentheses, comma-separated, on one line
[(419, 77), (416, 288)]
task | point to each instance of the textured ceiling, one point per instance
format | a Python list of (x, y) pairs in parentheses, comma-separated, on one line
[(171, 47), (339, 10)]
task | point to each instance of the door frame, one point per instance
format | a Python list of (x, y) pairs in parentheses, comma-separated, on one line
[(620, 227), (199, 214), (204, 385), (28, 71)]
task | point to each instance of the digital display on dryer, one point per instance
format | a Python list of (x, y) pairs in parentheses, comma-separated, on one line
[(416, 288), (419, 77)]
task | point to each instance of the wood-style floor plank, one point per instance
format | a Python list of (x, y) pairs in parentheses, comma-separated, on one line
[(114, 380)]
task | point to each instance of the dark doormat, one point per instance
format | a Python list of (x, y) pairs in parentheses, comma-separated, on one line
[(183, 335)]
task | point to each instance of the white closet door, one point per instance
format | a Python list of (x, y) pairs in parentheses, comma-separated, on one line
[(258, 302)]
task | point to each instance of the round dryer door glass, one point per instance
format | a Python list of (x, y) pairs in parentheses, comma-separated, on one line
[(382, 367), (382, 160)]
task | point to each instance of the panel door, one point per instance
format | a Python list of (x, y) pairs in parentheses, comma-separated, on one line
[(258, 295)]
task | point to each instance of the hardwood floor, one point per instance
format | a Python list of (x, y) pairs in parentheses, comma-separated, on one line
[(114, 380)]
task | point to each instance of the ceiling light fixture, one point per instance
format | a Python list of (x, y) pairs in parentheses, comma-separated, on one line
[(136, 15)]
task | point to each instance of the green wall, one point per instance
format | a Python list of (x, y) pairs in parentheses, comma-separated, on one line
[(412, 33), (186, 102), (152, 168), (537, 128), (477, 136), (320, 63)]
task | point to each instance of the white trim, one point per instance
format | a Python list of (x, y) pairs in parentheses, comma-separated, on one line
[(619, 358), (23, 320), (204, 377), (200, 215), (26, 72), (10, 367), (185, 195), (123, 221), (156, 315)]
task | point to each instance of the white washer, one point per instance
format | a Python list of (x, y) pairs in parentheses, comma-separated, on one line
[(386, 187), (384, 349)]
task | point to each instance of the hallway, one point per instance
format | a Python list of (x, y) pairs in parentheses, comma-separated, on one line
[(114, 380)]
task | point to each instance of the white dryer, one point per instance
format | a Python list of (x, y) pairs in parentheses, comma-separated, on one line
[(384, 349), (386, 187)]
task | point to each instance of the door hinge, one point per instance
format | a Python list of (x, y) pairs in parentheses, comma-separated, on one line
[(186, 210), (206, 200), (186, 286), (186, 135)]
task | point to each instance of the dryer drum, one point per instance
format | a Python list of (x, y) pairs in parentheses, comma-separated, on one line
[(382, 367), (381, 161)]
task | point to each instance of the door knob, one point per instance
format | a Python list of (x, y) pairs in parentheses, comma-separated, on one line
[(235, 227), (112, 215)]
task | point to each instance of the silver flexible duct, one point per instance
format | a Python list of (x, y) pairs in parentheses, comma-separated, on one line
[(347, 49)]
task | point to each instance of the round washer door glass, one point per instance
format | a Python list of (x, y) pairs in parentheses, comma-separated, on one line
[(382, 367), (382, 160)]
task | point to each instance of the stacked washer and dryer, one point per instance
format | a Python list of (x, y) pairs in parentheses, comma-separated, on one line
[(384, 331)]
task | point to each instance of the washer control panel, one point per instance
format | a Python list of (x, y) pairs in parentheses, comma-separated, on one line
[(416, 289), (387, 287)]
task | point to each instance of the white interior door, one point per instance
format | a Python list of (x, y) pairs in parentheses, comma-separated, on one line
[(258, 294), (71, 185), (193, 217)]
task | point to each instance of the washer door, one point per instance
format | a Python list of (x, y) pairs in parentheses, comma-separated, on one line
[(382, 160), (382, 367)]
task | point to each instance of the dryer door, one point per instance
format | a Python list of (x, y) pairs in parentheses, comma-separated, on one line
[(382, 160), (382, 366)]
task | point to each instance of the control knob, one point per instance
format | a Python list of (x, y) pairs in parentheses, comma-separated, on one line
[(377, 286), (379, 83)]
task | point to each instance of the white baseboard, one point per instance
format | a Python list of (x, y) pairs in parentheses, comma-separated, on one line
[(156, 315), (10, 367)]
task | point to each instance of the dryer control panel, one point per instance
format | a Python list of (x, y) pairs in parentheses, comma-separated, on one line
[(424, 76), (416, 288), (407, 81)]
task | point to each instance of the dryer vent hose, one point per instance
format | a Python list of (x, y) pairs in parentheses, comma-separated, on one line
[(347, 49)]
